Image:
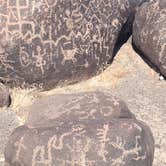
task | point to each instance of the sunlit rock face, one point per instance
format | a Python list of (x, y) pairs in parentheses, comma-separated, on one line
[(46, 42), (93, 128), (149, 33)]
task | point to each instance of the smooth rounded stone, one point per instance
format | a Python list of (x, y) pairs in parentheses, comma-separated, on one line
[(52, 110), (149, 34), (4, 96), (93, 129), (50, 42)]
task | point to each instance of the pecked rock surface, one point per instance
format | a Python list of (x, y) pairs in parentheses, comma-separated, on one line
[(149, 33), (71, 106), (92, 128), (46, 42)]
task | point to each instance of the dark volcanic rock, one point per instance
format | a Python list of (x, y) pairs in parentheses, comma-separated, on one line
[(149, 33), (4, 96), (89, 134), (68, 107), (122, 142), (50, 42)]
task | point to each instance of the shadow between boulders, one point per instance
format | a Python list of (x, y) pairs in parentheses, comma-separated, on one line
[(123, 36), (145, 59)]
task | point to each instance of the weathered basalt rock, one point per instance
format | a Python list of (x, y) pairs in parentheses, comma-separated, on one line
[(95, 131), (47, 42), (4, 96), (149, 33), (69, 107)]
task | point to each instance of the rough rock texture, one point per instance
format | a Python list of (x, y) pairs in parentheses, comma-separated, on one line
[(4, 96), (149, 33), (68, 107), (8, 122), (48, 42), (132, 80), (93, 129)]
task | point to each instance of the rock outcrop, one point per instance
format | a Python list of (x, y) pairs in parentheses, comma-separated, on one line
[(149, 34), (92, 128), (50, 42)]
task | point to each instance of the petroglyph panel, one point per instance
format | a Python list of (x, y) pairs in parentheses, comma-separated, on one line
[(48, 41), (83, 129), (117, 142), (68, 107), (150, 38)]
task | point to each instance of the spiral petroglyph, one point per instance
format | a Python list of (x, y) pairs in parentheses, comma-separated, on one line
[(51, 41)]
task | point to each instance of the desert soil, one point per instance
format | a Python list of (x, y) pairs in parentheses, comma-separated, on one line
[(129, 77)]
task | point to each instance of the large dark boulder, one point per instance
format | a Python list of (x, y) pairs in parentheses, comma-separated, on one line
[(149, 34), (50, 42), (93, 128)]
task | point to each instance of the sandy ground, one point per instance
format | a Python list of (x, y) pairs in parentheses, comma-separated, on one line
[(128, 77)]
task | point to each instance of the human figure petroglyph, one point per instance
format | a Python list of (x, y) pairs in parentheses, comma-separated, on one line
[(40, 62), (20, 146), (43, 155), (102, 135), (75, 38), (75, 131), (97, 144), (120, 144)]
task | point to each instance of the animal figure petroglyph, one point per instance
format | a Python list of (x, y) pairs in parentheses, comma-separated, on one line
[(75, 131), (51, 41)]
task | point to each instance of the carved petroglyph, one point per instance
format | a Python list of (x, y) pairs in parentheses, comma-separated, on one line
[(85, 144), (24, 57), (103, 139), (40, 62), (69, 55), (5, 63), (73, 130), (120, 145), (151, 38), (20, 147), (50, 3), (43, 155), (80, 35), (78, 152)]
